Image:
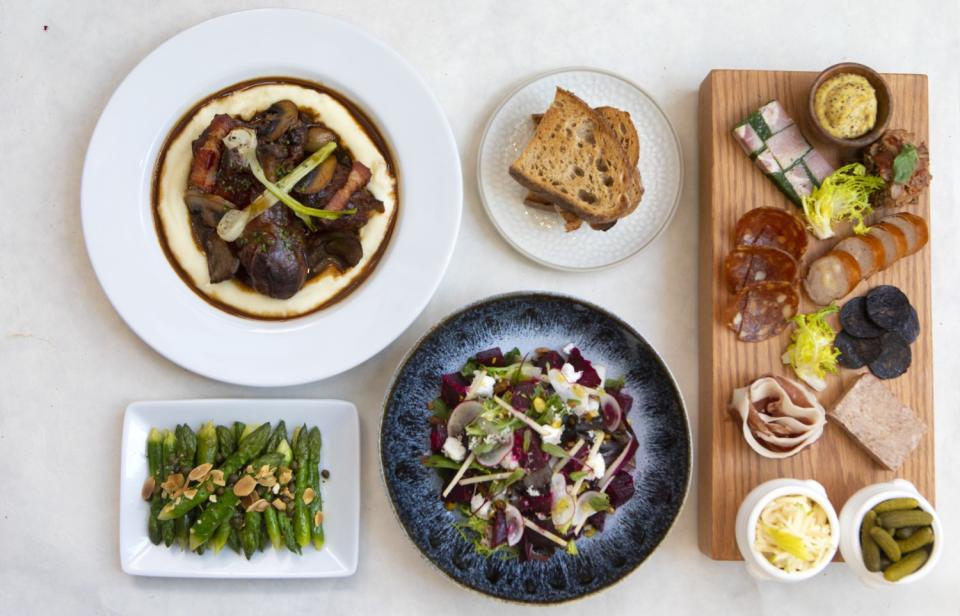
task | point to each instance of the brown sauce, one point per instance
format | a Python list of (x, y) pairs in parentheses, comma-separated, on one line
[(368, 127)]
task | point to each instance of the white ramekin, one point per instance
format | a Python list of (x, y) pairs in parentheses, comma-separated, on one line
[(852, 515), (749, 514)]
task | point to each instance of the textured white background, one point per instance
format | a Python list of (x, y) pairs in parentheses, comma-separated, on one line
[(69, 366)]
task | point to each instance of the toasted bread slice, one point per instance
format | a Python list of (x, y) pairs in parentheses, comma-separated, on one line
[(625, 130), (576, 158)]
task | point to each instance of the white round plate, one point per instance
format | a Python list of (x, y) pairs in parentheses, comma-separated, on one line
[(118, 222), (540, 235)]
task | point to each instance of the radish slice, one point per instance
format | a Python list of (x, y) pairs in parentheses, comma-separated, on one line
[(585, 509), (564, 506), (612, 414), (462, 416), (515, 525), (497, 455)]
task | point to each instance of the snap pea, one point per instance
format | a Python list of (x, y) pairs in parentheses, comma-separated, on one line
[(869, 547), (906, 565), (226, 440), (917, 540), (207, 444), (899, 519), (886, 543)]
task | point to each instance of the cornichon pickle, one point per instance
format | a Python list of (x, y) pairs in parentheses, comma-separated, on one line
[(871, 552), (886, 543), (896, 504), (917, 540), (899, 519), (906, 531), (905, 566)]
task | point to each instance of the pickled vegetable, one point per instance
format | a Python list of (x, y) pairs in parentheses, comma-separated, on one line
[(896, 504), (886, 543), (917, 540), (906, 566), (869, 547), (899, 519)]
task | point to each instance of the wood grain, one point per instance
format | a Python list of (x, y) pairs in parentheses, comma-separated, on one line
[(729, 186)]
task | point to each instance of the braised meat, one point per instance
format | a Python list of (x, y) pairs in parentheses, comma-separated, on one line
[(880, 158), (277, 253)]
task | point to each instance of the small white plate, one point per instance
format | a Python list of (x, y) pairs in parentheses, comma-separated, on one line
[(340, 455), (118, 222), (540, 235)]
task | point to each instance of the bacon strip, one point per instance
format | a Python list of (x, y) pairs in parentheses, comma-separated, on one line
[(358, 178), (206, 157)]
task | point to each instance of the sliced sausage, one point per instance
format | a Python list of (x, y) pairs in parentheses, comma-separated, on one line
[(751, 264), (914, 228), (831, 277), (772, 228), (868, 250), (894, 241), (761, 310)]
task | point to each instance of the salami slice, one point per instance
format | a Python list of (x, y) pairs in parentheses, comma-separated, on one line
[(771, 228), (761, 310), (752, 264)]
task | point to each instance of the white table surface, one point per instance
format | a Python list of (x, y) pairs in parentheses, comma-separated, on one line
[(69, 366)]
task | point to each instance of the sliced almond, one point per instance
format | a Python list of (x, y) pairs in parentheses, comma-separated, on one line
[(249, 500), (286, 492), (199, 473), (279, 505), (285, 476), (259, 506), (148, 487), (245, 486), (318, 518), (173, 483), (217, 476), (190, 493), (308, 496)]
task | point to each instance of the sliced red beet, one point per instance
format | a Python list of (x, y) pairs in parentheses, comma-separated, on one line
[(589, 378), (536, 458), (452, 389), (620, 489), (521, 394), (438, 436), (498, 528), (460, 494), (625, 400), (490, 357), (550, 359), (535, 504), (598, 520), (518, 453)]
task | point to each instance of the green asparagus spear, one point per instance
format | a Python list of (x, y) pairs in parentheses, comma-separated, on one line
[(273, 460), (226, 440), (314, 443), (186, 446), (234, 540), (220, 536), (250, 533), (247, 431), (264, 536), (248, 449), (279, 433), (155, 466), (284, 449), (207, 444), (272, 525), (212, 518), (301, 513), (286, 531), (238, 428), (168, 458)]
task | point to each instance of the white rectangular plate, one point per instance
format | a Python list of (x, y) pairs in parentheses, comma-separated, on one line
[(340, 455)]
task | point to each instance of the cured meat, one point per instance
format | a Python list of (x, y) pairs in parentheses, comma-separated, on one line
[(868, 250), (206, 152), (909, 329), (358, 178), (776, 145), (856, 352), (831, 277), (856, 322), (753, 264), (779, 417), (772, 228), (894, 359), (914, 229), (879, 160), (887, 306), (761, 310), (894, 241)]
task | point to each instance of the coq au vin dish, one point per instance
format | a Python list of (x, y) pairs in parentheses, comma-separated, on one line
[(275, 197)]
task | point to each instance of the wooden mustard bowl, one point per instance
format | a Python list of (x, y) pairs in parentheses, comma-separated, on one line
[(884, 104)]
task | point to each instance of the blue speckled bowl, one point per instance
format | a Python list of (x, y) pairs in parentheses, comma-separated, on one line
[(530, 320)]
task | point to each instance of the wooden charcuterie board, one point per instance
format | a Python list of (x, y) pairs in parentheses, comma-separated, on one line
[(730, 185)]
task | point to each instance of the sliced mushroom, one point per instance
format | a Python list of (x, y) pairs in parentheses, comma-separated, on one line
[(318, 179), (341, 250), (271, 157), (222, 264), (278, 119), (317, 137), (210, 208)]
